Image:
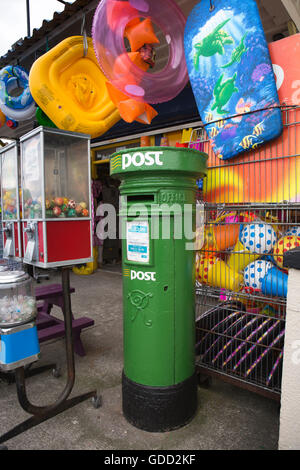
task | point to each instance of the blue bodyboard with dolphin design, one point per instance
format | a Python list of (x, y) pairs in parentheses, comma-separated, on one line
[(232, 76)]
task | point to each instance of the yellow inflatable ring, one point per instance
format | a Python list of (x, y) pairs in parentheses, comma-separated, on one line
[(69, 86)]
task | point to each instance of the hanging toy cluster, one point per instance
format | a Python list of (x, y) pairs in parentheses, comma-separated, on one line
[(15, 106)]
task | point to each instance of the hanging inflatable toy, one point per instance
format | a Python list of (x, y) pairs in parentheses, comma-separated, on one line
[(11, 123), (17, 108), (115, 20), (232, 76), (70, 88)]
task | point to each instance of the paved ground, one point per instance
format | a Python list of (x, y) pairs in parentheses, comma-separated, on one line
[(227, 418)]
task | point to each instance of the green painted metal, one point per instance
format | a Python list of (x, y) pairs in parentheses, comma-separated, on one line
[(158, 280)]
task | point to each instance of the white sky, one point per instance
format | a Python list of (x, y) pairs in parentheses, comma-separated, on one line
[(13, 19)]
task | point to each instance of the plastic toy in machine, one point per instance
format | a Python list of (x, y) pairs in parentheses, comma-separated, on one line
[(131, 85), (70, 88), (231, 75), (15, 106), (284, 244)]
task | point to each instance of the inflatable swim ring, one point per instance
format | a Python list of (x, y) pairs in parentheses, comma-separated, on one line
[(21, 107), (114, 20), (69, 86)]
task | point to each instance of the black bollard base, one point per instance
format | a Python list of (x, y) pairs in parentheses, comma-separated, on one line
[(159, 409)]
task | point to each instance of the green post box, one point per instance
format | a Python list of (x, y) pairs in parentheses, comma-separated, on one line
[(157, 198)]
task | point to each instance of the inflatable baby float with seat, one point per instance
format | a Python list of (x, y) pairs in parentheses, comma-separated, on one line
[(70, 88)]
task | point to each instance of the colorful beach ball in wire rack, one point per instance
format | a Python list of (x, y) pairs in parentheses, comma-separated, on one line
[(255, 272), (258, 238), (286, 243)]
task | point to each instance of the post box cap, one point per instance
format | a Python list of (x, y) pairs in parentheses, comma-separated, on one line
[(158, 160)]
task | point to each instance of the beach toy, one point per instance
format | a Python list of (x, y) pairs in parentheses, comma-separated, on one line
[(226, 233), (69, 86), (295, 231), (275, 283), (239, 342), (12, 124), (266, 351), (270, 311), (214, 272), (226, 228), (255, 240), (88, 268), (43, 119), (115, 20), (22, 106), (208, 243), (255, 272), (277, 367), (286, 243)]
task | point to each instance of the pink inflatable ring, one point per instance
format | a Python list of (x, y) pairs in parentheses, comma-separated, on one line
[(109, 23)]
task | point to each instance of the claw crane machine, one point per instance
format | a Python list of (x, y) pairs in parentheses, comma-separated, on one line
[(57, 233), (10, 202)]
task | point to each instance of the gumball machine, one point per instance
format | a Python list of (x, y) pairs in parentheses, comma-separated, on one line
[(10, 201), (56, 198)]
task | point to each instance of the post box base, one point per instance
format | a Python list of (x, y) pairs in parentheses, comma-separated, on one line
[(159, 409)]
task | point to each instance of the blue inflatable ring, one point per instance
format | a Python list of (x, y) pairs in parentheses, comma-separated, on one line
[(15, 107)]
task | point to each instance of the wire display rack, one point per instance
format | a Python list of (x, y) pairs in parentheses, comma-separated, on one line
[(252, 217)]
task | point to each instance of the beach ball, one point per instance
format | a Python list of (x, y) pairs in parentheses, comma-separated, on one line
[(255, 272), (286, 243), (295, 231), (258, 238)]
